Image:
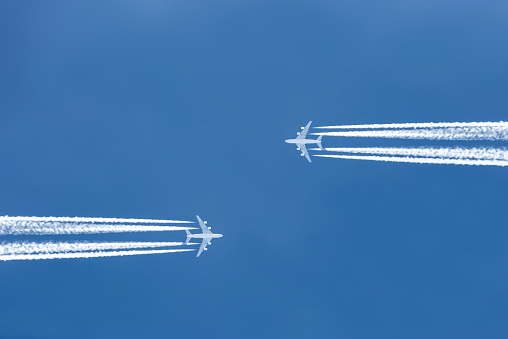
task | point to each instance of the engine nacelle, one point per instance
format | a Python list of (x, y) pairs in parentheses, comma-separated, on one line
[(297, 133), (206, 249), (205, 222), (209, 228), (301, 155), (302, 127)]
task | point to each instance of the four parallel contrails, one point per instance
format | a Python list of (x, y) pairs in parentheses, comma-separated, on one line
[(64, 226), (465, 131)]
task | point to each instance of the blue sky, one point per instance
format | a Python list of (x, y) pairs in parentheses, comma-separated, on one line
[(166, 110)]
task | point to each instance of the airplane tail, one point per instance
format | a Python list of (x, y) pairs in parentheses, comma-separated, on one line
[(189, 236), (319, 142)]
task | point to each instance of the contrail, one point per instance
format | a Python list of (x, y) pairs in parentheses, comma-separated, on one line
[(93, 220), (56, 247), (451, 133), (40, 256), (55, 228), (421, 125), (419, 160), (482, 153)]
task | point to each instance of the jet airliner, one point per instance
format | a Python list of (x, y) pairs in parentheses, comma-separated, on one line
[(206, 235), (300, 141)]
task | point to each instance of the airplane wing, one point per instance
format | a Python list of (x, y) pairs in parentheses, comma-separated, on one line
[(303, 133), (304, 152), (204, 228), (203, 246)]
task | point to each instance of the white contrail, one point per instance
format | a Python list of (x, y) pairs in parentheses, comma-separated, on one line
[(60, 247), (421, 125), (94, 220), (55, 228), (482, 153), (452, 133), (40, 256), (419, 160)]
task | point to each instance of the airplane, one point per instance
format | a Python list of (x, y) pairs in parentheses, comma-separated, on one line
[(300, 141), (207, 235)]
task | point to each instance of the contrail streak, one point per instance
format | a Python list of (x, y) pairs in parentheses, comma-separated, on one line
[(452, 133), (482, 153), (421, 125), (93, 220), (85, 254), (56, 247), (56, 228), (419, 160)]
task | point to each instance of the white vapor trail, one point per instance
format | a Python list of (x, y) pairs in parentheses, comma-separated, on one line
[(99, 254), (419, 160), (421, 125), (451, 133), (93, 220), (55, 228), (56, 247), (482, 153)]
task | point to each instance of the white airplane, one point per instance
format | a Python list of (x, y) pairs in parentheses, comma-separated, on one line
[(207, 235), (300, 141)]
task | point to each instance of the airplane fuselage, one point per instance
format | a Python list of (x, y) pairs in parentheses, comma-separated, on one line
[(302, 141), (205, 236)]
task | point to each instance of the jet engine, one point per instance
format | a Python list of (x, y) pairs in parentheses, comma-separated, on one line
[(206, 249)]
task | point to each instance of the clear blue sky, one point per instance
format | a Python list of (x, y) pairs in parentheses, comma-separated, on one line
[(167, 109)]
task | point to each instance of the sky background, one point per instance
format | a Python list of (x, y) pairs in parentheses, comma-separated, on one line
[(167, 109)]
